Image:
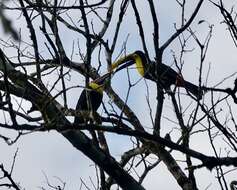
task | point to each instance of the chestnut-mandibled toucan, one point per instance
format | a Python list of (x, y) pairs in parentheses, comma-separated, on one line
[(91, 97), (165, 75)]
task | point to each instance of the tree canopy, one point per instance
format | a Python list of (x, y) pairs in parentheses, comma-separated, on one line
[(144, 74)]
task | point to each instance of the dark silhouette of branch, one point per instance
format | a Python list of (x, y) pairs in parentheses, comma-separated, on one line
[(229, 91), (64, 7), (229, 20), (183, 28), (96, 30), (7, 23), (8, 175), (208, 161), (33, 37), (139, 24)]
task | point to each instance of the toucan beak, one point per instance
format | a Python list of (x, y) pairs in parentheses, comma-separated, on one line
[(115, 67), (101, 79), (122, 66), (123, 62), (134, 58)]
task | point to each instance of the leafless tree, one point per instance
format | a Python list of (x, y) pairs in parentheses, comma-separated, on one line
[(37, 67)]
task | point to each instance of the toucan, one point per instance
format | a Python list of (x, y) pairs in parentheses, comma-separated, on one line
[(160, 73), (91, 97)]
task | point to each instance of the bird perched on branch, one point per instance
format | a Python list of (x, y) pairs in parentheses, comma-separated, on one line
[(160, 73), (91, 97)]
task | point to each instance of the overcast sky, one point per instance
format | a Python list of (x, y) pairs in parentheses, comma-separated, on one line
[(50, 153)]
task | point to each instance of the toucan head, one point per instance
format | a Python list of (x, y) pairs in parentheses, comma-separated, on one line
[(98, 84), (138, 57)]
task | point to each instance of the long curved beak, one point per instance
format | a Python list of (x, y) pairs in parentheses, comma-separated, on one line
[(123, 62), (116, 66), (130, 59), (125, 65), (101, 79)]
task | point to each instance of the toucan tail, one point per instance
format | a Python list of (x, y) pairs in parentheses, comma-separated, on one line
[(193, 89)]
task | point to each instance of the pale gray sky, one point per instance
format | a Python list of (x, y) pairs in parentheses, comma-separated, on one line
[(50, 153)]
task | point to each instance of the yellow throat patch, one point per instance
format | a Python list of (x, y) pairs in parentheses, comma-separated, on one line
[(137, 59), (98, 88), (139, 64)]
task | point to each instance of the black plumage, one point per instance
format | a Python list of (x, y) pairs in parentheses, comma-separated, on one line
[(161, 73), (92, 104), (91, 97)]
